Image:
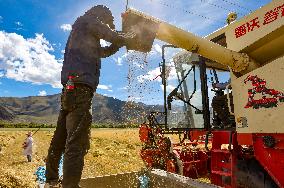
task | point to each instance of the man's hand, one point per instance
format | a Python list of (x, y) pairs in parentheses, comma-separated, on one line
[(126, 36), (129, 35)]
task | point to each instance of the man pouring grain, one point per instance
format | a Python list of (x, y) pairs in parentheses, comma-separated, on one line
[(80, 77)]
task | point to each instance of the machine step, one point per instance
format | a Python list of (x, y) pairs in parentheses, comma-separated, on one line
[(222, 173), (221, 151)]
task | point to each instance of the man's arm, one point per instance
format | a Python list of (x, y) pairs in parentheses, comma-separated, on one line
[(109, 50), (103, 31)]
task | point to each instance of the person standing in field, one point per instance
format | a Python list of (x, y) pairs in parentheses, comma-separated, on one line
[(80, 78), (28, 146)]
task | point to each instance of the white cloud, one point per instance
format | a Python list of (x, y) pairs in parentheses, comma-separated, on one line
[(118, 61), (154, 74), (42, 93), (66, 27), (169, 88), (157, 48), (60, 60), (104, 87), (151, 75), (62, 51), (134, 56), (104, 43), (197, 97), (19, 24), (141, 66), (135, 99), (139, 59), (124, 88), (28, 60)]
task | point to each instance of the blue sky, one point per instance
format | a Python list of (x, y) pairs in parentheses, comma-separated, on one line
[(33, 34)]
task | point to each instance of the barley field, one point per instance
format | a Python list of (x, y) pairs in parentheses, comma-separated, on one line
[(112, 151)]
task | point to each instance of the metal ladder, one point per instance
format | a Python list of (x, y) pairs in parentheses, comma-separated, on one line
[(223, 160)]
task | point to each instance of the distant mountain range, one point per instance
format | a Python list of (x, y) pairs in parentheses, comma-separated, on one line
[(45, 109)]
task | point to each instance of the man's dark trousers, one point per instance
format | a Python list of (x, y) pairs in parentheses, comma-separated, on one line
[(71, 136)]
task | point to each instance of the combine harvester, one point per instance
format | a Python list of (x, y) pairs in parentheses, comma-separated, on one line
[(249, 153)]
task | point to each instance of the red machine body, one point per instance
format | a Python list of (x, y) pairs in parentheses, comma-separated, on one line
[(224, 160), (159, 152)]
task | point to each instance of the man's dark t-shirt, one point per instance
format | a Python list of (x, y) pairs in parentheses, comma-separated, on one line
[(83, 50)]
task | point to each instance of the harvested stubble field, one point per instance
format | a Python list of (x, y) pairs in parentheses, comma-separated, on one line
[(112, 151)]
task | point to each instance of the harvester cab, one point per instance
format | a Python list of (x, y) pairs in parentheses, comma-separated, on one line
[(250, 50), (181, 112)]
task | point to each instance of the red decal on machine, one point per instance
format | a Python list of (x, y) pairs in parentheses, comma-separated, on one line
[(253, 24), (247, 27), (269, 17), (272, 15), (259, 87), (241, 30)]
